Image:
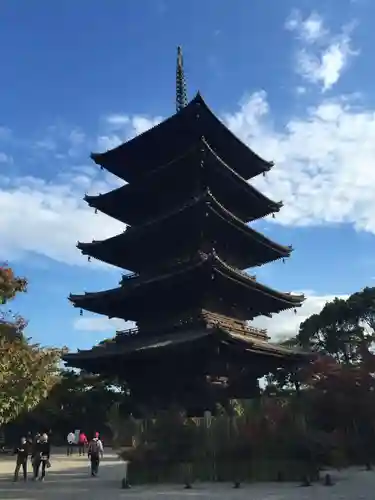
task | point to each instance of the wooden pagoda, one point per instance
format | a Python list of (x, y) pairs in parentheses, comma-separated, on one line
[(187, 204)]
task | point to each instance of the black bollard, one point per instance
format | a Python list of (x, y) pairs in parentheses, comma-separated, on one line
[(280, 477), (125, 484), (328, 480), (368, 466), (305, 481)]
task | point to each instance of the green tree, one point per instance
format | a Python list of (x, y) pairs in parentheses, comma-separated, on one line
[(77, 401), (27, 371), (342, 327)]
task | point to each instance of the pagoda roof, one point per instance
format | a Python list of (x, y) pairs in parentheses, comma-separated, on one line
[(183, 286), (138, 346), (181, 231), (135, 202), (168, 139)]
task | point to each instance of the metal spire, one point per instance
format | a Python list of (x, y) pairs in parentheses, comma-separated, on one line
[(181, 97)]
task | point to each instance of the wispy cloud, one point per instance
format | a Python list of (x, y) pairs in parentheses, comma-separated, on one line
[(89, 323), (5, 158), (308, 30), (322, 56), (5, 133), (324, 160), (117, 120), (120, 127), (288, 322)]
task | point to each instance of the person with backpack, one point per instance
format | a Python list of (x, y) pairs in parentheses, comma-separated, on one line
[(95, 453)]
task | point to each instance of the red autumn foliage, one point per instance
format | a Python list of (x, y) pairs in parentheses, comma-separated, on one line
[(10, 284)]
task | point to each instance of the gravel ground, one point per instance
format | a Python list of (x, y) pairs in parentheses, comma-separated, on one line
[(69, 478)]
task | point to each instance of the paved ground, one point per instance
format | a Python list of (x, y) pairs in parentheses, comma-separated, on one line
[(68, 479)]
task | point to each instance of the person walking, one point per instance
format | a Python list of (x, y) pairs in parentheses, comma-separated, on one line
[(95, 453), (70, 440), (42, 454), (82, 442), (22, 452)]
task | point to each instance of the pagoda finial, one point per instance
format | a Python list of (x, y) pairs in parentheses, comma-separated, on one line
[(181, 97)]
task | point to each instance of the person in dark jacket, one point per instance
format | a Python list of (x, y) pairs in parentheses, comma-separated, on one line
[(22, 452), (41, 457), (95, 453)]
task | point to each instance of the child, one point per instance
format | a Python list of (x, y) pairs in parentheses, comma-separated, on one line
[(22, 452)]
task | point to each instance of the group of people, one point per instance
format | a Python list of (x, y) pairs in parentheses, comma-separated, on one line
[(81, 443), (39, 451)]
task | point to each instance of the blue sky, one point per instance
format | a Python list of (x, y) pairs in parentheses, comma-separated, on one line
[(293, 79)]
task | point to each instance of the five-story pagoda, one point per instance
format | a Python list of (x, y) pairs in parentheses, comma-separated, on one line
[(187, 205)]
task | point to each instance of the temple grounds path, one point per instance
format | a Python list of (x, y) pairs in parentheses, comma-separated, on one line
[(69, 479)]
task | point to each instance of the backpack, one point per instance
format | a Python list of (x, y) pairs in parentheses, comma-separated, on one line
[(95, 448)]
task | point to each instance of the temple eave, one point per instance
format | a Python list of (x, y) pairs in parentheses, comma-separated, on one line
[(196, 119), (154, 345), (129, 300), (174, 224)]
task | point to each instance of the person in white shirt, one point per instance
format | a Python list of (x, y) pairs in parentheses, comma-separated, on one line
[(71, 441)]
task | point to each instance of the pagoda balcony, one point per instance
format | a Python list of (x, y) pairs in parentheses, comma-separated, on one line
[(164, 142), (204, 318), (173, 352), (180, 181)]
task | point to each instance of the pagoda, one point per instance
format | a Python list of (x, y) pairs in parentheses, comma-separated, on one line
[(187, 204)]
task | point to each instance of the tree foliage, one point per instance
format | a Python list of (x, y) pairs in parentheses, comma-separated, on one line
[(338, 385), (342, 328), (77, 401), (27, 371), (27, 374)]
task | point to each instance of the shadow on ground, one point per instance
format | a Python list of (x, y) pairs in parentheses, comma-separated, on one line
[(71, 481)]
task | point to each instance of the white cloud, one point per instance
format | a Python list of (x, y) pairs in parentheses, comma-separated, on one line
[(101, 324), (47, 144), (142, 123), (5, 133), (118, 120), (324, 173), (49, 219), (324, 168), (310, 29), (286, 324), (4, 158), (321, 57), (121, 127)]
